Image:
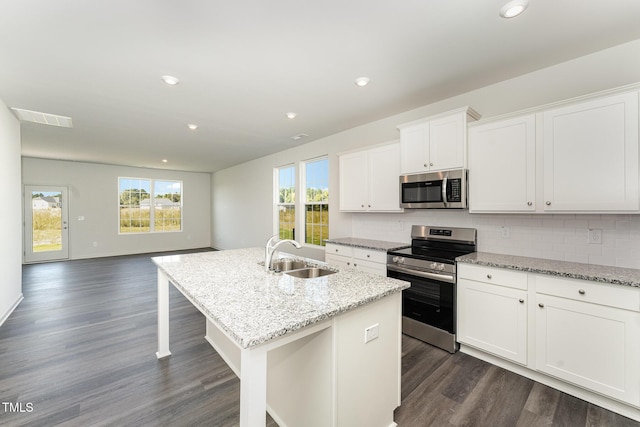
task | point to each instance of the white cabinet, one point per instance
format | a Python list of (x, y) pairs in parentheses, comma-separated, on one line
[(591, 155), (369, 179), (502, 166), (581, 157), (362, 259), (492, 311), (588, 334), (435, 143)]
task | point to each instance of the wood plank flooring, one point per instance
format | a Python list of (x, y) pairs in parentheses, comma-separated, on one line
[(80, 351)]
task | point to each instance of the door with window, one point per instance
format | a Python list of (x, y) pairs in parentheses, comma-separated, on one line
[(46, 223)]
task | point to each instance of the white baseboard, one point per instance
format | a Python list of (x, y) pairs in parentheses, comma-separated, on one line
[(13, 307)]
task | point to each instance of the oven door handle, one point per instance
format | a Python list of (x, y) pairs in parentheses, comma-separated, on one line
[(435, 276)]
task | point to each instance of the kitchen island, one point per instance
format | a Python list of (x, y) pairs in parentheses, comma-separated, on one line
[(320, 351)]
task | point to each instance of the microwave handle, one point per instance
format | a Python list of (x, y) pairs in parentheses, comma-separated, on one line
[(444, 189)]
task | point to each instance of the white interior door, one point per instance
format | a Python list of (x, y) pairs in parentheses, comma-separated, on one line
[(46, 223)]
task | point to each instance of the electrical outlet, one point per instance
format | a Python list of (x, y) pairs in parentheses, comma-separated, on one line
[(595, 236), (371, 333), (505, 232)]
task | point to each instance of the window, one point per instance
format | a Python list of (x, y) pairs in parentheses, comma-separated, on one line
[(148, 206), (286, 202), (316, 204)]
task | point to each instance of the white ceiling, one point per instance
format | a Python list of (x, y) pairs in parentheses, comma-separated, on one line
[(244, 64)]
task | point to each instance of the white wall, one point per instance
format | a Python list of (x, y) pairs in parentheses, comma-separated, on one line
[(242, 195), (93, 194), (11, 215)]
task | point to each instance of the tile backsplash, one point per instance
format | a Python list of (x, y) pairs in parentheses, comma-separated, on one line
[(558, 237)]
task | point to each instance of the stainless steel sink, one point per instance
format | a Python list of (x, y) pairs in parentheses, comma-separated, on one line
[(309, 273), (287, 264)]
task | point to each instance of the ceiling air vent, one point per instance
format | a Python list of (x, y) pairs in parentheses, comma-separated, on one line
[(43, 118), (299, 136)]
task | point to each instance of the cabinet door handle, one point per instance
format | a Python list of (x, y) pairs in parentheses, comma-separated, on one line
[(348, 263), (362, 206), (369, 205), (425, 165), (541, 305), (336, 250), (548, 203), (430, 164), (581, 292), (489, 276), (521, 300), (368, 256), (355, 265), (529, 203)]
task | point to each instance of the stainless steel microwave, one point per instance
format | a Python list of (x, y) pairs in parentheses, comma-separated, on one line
[(434, 190)]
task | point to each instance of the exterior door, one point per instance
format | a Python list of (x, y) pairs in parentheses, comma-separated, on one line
[(46, 223)]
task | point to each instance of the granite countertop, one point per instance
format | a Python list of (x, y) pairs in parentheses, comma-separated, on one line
[(377, 245), (252, 306), (573, 270)]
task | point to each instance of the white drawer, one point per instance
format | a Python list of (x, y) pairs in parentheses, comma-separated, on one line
[(370, 255), (620, 296), (332, 248), (495, 276)]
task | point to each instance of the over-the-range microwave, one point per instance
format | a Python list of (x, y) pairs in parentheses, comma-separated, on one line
[(434, 190)]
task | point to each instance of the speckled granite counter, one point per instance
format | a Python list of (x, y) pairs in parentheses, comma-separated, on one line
[(574, 270), (252, 306), (377, 245)]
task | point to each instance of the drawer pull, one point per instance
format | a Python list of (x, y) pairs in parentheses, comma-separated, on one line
[(548, 203), (368, 256), (489, 276), (529, 203), (521, 300), (541, 305), (581, 292), (355, 265), (336, 250), (348, 263)]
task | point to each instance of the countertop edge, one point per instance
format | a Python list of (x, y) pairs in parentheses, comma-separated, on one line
[(572, 270), (376, 245)]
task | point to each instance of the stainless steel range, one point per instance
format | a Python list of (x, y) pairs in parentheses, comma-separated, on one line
[(429, 305)]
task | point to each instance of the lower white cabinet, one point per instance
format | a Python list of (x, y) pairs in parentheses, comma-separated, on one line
[(492, 311), (369, 260), (580, 336), (590, 341)]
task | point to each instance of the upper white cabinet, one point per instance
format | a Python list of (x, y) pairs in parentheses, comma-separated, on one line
[(591, 155), (580, 157), (435, 143), (502, 166), (369, 179)]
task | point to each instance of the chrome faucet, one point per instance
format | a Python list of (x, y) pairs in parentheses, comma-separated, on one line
[(270, 249)]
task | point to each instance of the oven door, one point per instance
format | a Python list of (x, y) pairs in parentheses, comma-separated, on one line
[(430, 299)]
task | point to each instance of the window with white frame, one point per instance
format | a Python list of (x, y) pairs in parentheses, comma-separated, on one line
[(316, 201), (286, 201), (149, 205)]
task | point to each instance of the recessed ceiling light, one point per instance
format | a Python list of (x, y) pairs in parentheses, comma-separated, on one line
[(291, 115), (362, 81), (192, 126), (170, 80), (513, 8), (164, 160)]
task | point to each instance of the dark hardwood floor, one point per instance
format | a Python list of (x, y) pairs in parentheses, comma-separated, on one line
[(80, 351)]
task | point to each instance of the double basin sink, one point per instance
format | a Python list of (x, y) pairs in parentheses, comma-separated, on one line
[(299, 269)]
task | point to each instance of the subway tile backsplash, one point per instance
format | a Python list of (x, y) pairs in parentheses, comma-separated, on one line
[(559, 237)]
